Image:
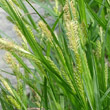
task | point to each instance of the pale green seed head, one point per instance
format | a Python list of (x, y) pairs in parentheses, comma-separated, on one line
[(45, 31), (14, 102)]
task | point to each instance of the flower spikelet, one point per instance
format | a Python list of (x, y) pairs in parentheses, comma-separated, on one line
[(86, 65), (53, 65), (12, 47), (45, 30), (106, 75), (23, 53), (61, 53), (20, 88), (67, 16), (14, 102), (14, 65), (79, 30), (72, 32), (68, 81), (19, 33), (56, 7), (38, 99), (4, 82), (74, 11), (9, 59), (68, 12), (74, 44), (79, 83), (30, 31), (82, 34), (98, 49)]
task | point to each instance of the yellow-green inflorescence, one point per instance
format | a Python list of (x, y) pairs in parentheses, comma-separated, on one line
[(12, 47), (75, 37), (63, 73), (19, 33), (98, 49), (13, 64), (5, 83), (16, 70), (45, 31), (14, 102), (56, 8)]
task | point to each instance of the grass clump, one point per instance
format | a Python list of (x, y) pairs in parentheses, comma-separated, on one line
[(70, 58)]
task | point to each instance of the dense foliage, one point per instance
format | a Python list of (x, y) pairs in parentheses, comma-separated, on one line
[(70, 57)]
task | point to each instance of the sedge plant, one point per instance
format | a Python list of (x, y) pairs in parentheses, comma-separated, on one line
[(70, 58)]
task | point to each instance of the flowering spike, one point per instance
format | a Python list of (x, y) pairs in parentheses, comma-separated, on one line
[(45, 30)]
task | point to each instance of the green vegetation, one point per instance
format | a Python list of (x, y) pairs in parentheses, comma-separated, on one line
[(70, 66)]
